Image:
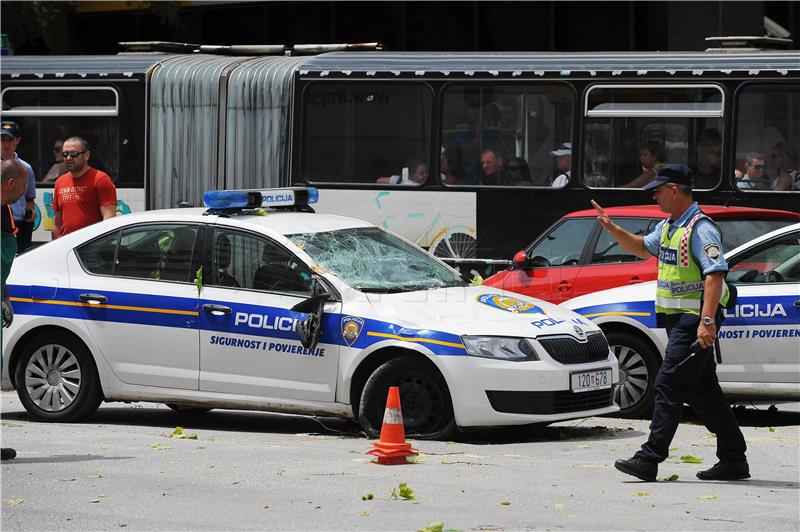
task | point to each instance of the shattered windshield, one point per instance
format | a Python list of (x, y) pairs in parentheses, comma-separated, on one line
[(373, 260)]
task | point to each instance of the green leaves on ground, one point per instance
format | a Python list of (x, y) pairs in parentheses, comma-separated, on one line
[(436, 526), (707, 497), (689, 459), (15, 501), (671, 478), (159, 447), (404, 492), (642, 494), (367, 497), (505, 503), (180, 434)]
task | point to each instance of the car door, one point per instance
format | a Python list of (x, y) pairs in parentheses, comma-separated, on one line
[(610, 265), (760, 338), (554, 262), (249, 343), (136, 294)]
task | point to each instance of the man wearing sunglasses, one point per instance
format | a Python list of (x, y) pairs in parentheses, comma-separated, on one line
[(84, 195), (755, 176)]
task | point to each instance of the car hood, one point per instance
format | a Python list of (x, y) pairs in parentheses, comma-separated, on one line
[(474, 310)]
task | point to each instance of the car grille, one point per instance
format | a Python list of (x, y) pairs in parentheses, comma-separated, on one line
[(568, 350), (549, 402)]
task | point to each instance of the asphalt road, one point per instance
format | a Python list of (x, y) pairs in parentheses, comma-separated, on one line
[(248, 470)]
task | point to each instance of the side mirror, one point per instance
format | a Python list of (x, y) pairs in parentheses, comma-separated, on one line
[(310, 328), (520, 260)]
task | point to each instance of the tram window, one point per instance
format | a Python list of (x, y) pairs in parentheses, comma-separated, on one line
[(768, 138), (48, 116), (633, 130), (361, 132), (510, 122)]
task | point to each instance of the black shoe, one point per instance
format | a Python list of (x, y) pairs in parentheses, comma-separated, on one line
[(726, 471), (639, 468), (8, 453)]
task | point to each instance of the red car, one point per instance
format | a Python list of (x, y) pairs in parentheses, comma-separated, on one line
[(576, 257)]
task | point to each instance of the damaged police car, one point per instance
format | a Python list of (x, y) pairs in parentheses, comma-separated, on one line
[(258, 303)]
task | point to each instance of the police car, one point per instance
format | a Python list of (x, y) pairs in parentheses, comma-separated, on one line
[(759, 339), (259, 303)]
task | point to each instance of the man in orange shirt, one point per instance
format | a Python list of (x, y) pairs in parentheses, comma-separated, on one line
[(84, 195)]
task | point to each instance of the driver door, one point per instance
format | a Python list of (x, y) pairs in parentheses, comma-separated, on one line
[(249, 343), (759, 338)]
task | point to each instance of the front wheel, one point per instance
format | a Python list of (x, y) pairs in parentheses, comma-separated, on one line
[(638, 365), (56, 378), (424, 399)]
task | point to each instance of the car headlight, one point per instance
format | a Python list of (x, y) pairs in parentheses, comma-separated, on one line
[(500, 348)]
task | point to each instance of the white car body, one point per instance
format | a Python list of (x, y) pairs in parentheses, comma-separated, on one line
[(760, 337), (151, 340)]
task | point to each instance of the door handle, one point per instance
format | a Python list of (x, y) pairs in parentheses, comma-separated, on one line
[(797, 304), (216, 310), (634, 280), (93, 299), (564, 286)]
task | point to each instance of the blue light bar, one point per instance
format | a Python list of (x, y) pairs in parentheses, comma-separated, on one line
[(254, 199)]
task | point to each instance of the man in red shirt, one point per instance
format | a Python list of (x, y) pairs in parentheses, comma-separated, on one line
[(84, 195)]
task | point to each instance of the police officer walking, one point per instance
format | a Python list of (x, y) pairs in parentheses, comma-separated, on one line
[(691, 288)]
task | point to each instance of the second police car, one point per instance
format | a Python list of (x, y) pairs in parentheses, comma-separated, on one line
[(259, 303), (759, 339)]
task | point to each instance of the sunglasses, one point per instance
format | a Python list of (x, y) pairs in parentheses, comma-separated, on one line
[(758, 166), (73, 154)]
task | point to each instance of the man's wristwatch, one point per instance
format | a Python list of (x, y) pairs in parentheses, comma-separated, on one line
[(707, 320)]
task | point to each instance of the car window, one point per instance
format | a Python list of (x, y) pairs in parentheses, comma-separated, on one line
[(776, 261), (159, 252), (97, 256), (563, 245), (244, 260), (608, 251), (737, 232)]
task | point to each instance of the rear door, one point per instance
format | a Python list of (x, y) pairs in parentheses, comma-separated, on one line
[(760, 338), (249, 343), (136, 294)]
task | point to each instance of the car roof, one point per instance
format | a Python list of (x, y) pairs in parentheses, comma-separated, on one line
[(714, 211), (284, 222)]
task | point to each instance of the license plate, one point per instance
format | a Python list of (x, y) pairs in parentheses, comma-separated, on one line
[(591, 380)]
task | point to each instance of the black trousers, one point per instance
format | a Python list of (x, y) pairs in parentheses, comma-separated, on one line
[(24, 234), (691, 379)]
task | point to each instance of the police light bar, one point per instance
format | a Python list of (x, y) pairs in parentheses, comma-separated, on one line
[(256, 199)]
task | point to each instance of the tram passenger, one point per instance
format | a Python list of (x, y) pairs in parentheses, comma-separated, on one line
[(709, 155), (652, 156), (784, 159), (493, 168), (563, 157), (58, 168), (518, 170), (415, 172), (755, 176), (599, 175)]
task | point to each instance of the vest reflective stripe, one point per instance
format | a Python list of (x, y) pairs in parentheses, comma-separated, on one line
[(680, 280)]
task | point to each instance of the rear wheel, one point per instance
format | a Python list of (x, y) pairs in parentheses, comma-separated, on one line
[(56, 378), (424, 399), (638, 365)]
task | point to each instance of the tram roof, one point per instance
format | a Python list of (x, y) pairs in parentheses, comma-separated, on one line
[(123, 64), (563, 63)]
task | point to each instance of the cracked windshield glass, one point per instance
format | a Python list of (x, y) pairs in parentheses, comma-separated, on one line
[(372, 260)]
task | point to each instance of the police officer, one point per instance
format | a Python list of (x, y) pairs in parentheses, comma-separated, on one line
[(691, 288)]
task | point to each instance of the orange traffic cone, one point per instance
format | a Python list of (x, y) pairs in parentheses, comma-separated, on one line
[(391, 448)]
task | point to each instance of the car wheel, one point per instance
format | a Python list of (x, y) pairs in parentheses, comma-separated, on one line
[(188, 409), (638, 365), (56, 378), (424, 399)]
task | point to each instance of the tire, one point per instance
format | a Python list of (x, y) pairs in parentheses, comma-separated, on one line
[(638, 365), (424, 399), (188, 409), (56, 378)]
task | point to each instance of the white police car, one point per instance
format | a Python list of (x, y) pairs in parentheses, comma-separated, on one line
[(759, 339), (285, 310)]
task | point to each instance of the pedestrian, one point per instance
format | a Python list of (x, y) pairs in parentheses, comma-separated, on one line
[(23, 208), (13, 183), (84, 195), (691, 288)]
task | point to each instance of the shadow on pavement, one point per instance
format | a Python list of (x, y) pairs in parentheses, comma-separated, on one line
[(61, 459)]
